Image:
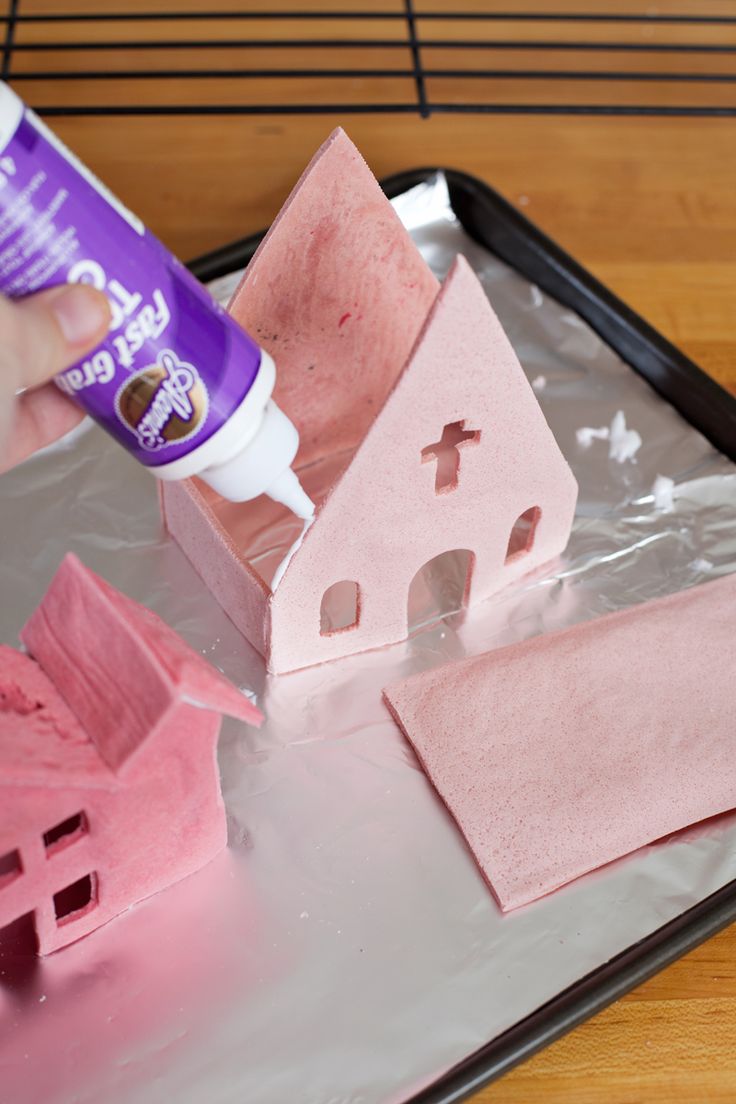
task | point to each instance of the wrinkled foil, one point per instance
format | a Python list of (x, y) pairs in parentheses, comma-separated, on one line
[(345, 949)]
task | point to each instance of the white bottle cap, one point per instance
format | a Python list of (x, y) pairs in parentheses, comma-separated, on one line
[(263, 466)]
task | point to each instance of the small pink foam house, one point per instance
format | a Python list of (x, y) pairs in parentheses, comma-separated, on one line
[(109, 788), (420, 434)]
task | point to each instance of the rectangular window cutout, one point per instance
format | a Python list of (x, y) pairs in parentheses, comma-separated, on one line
[(76, 900), (18, 953), (66, 832), (10, 867)]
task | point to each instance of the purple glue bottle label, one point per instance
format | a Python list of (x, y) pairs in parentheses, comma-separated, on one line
[(174, 367)]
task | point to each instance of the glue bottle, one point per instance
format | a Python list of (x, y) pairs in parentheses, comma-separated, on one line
[(176, 381)]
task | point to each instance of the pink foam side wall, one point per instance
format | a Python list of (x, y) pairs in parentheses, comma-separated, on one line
[(209, 547), (120, 996), (166, 821), (565, 752)]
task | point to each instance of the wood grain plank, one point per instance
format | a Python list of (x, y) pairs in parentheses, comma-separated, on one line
[(671, 1040)]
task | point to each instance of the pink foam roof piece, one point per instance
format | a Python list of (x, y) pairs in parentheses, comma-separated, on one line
[(117, 665), (337, 293), (572, 749)]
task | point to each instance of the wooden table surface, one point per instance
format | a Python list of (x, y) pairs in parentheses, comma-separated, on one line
[(649, 205)]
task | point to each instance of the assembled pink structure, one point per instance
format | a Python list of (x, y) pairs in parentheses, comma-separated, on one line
[(109, 789), (420, 434)]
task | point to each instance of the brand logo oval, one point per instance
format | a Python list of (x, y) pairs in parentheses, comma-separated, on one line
[(164, 403)]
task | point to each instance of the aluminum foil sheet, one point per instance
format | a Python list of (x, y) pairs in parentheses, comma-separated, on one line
[(345, 949)]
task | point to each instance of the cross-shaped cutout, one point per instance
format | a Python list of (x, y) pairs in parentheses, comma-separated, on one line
[(446, 452)]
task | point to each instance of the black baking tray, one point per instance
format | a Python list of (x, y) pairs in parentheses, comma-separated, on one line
[(496, 224)]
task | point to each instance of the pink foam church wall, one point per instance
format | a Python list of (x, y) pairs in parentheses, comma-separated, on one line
[(388, 378)]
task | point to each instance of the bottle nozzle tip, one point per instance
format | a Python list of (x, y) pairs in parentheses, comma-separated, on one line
[(288, 490)]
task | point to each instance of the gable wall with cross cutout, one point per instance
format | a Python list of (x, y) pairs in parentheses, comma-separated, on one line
[(385, 519)]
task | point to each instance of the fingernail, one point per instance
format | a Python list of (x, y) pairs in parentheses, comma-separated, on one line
[(81, 313)]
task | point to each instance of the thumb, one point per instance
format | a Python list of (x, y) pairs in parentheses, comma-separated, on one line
[(45, 333)]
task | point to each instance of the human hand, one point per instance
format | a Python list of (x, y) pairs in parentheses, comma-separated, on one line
[(39, 336)]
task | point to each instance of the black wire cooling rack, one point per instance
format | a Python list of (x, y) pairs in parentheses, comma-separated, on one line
[(421, 60)]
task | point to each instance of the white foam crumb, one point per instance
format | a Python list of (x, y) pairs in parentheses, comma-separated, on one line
[(539, 383), (587, 434), (42, 999), (537, 297), (524, 200), (623, 443), (303, 915), (663, 491), (281, 569), (701, 565)]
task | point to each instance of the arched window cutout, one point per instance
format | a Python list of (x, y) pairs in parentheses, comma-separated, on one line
[(340, 609), (521, 540), (440, 588)]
